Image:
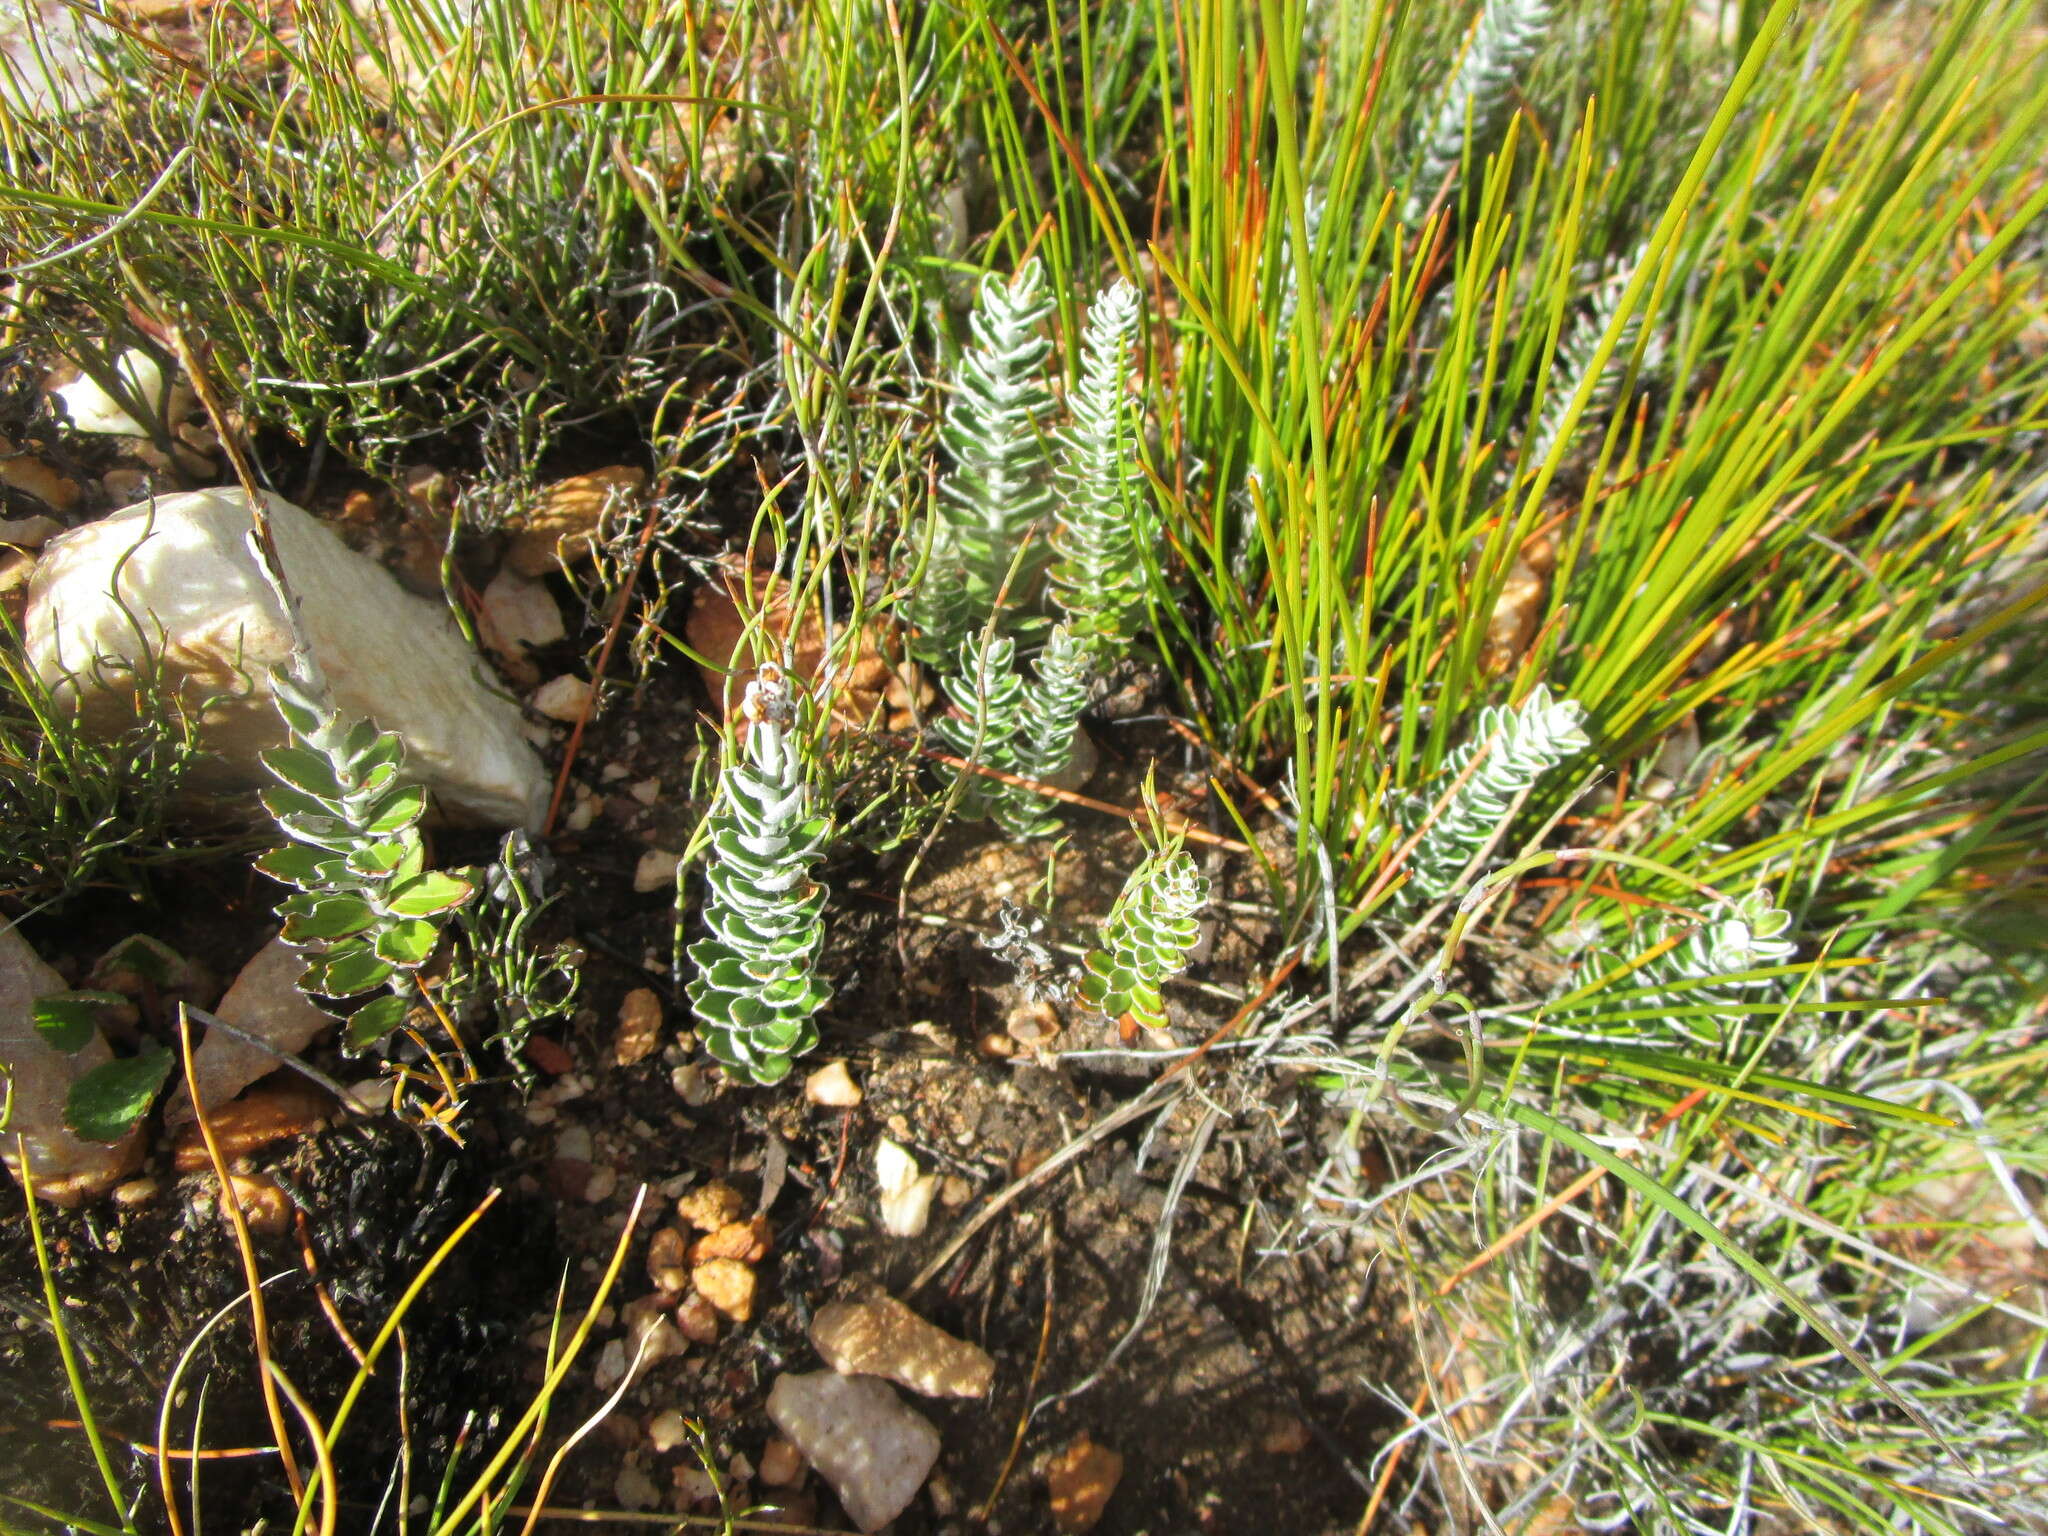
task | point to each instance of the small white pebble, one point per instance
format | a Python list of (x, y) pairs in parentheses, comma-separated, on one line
[(833, 1087), (667, 1430), (563, 698), (656, 870)]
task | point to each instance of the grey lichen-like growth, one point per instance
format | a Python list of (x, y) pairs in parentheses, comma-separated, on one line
[(756, 987), (1506, 38), (1147, 938), (1019, 727), (1703, 969), (1521, 746), (1104, 519), (995, 430)]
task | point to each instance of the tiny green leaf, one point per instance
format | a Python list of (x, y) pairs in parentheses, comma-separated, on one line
[(376, 1019), (107, 1102), (68, 1021)]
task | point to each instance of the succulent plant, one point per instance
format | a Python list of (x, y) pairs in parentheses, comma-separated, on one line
[(1521, 746), (1147, 938), (1104, 519), (756, 989), (1507, 36), (995, 430), (367, 909)]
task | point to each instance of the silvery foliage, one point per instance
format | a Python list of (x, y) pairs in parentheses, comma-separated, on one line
[(1146, 939), (1703, 969), (1506, 39), (1020, 944), (1098, 578), (1575, 358), (1025, 728), (995, 431), (1521, 747), (367, 910), (756, 991)]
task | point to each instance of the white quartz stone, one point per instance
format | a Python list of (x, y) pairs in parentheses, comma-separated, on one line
[(191, 593), (874, 1449)]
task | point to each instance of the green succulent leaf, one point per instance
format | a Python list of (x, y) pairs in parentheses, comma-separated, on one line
[(408, 943), (375, 1019), (108, 1102), (347, 970), (305, 770), (302, 864), (395, 811), (336, 916), (425, 895), (382, 858)]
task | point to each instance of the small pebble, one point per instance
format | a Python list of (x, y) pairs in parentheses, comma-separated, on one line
[(747, 1241), (698, 1319), (136, 1193), (782, 1464), (693, 1084), (603, 1180), (668, 1258), (667, 1430), (265, 1207), (656, 871), (563, 698), (833, 1087), (635, 1490), (728, 1285), (639, 1029), (1081, 1478), (694, 1486), (1285, 1437), (999, 1046), (711, 1206), (646, 791), (573, 1142)]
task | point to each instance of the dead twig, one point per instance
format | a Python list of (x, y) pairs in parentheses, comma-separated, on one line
[(259, 1321)]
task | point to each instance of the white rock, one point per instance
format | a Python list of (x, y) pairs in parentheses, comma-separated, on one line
[(864, 1440), (266, 1001), (667, 1430), (562, 698), (191, 592), (92, 409), (67, 1168), (832, 1087), (906, 1193), (634, 1489), (574, 1142), (656, 870), (521, 612), (610, 1369)]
